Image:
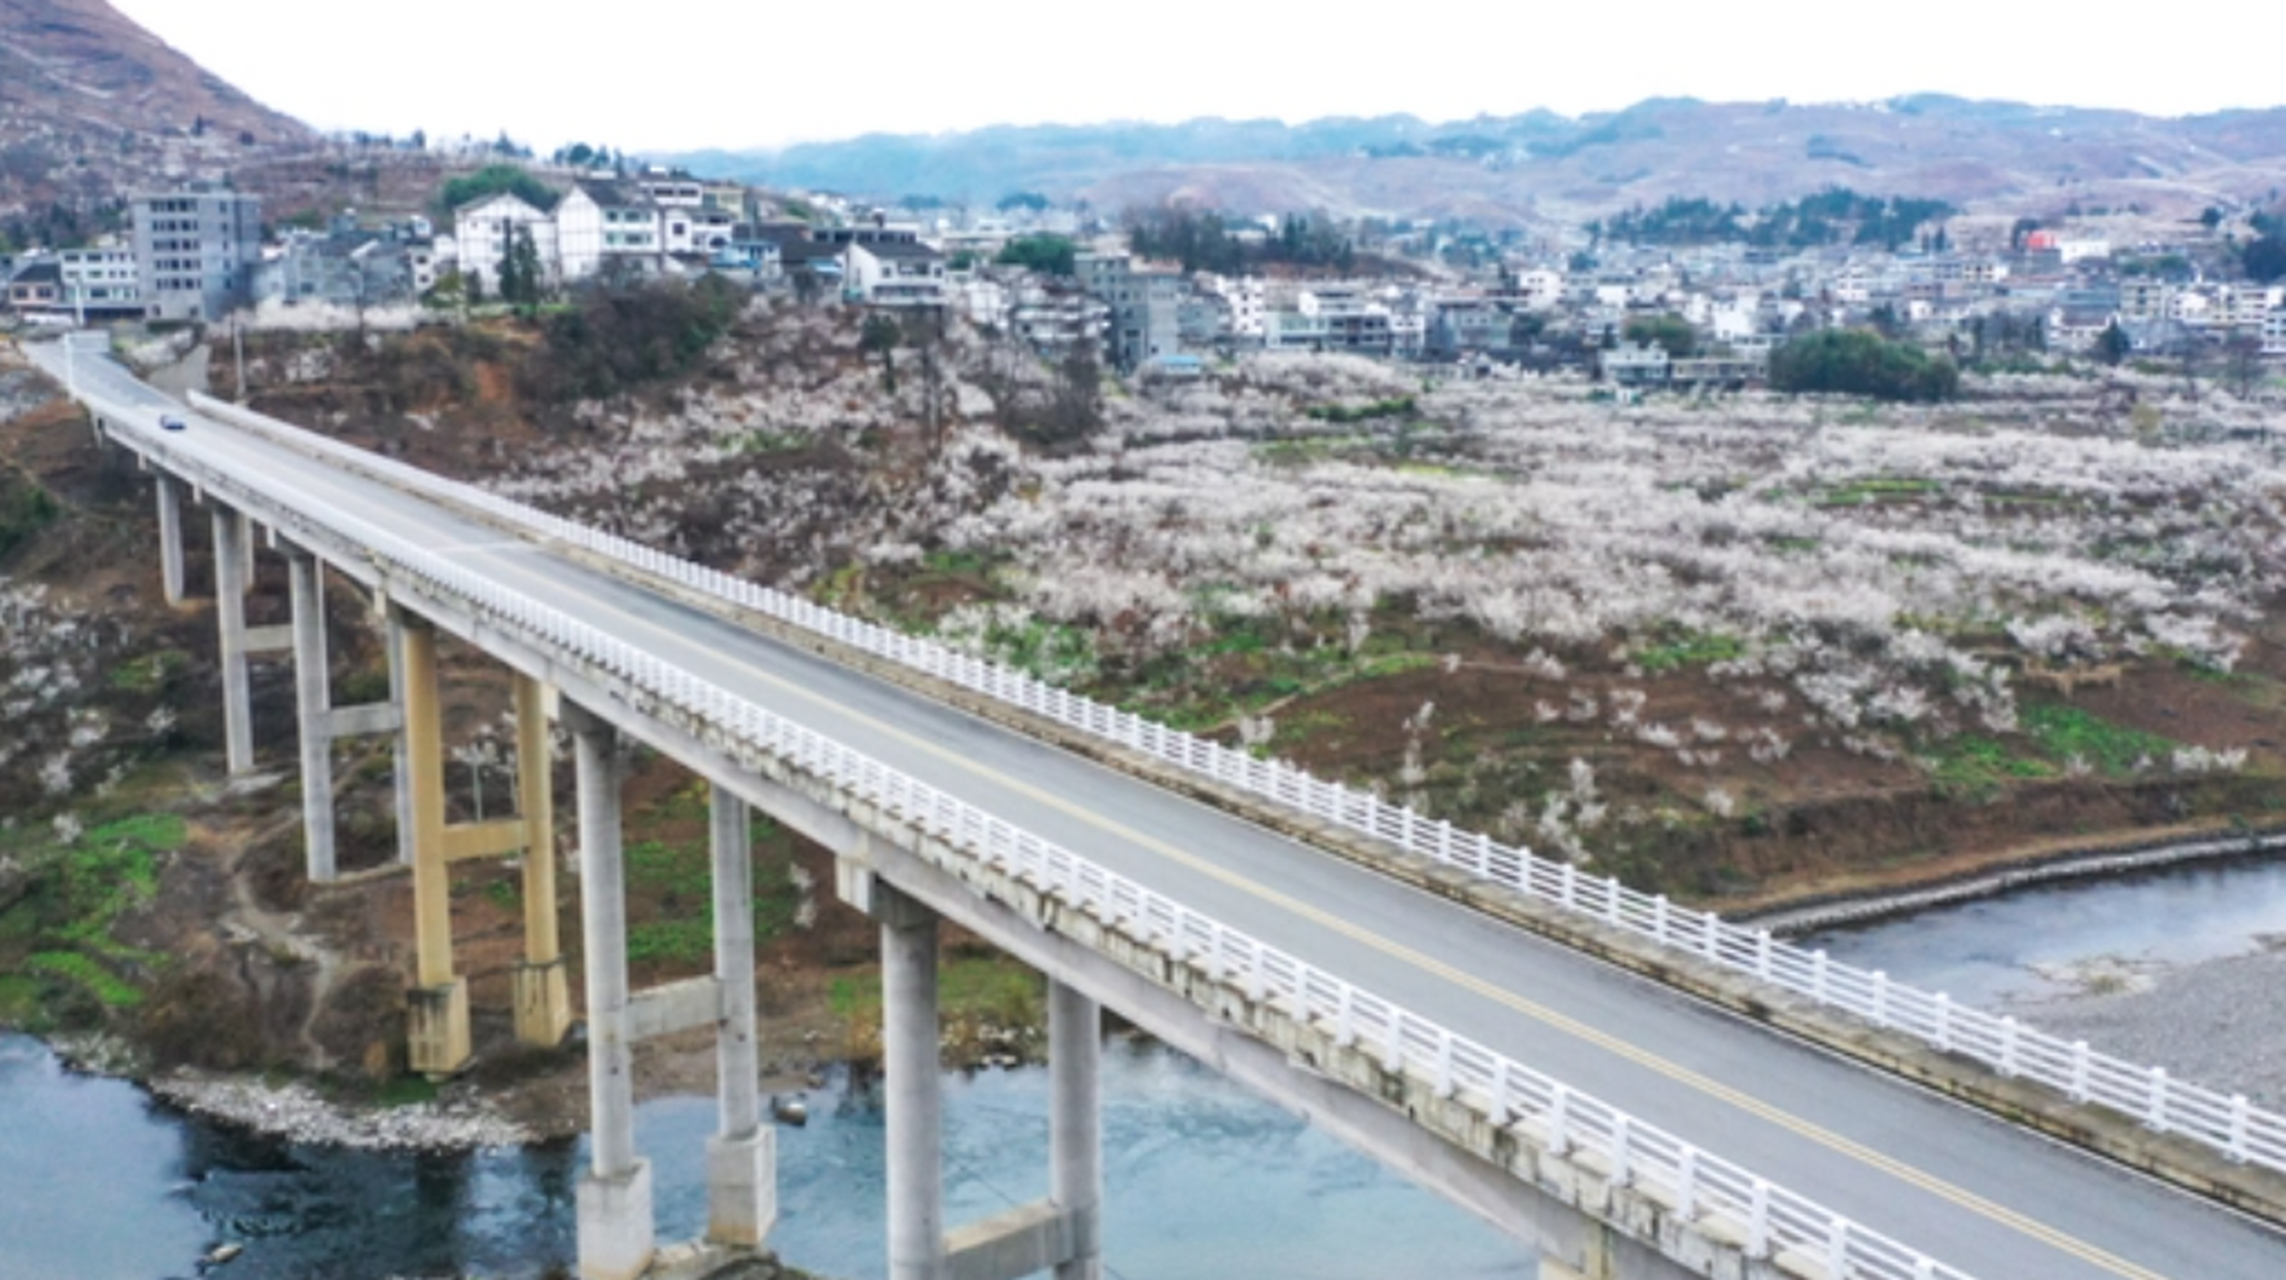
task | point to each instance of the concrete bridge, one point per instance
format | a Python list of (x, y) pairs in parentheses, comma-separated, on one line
[(1633, 1089)]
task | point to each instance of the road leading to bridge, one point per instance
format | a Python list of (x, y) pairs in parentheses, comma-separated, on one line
[(1960, 1185)]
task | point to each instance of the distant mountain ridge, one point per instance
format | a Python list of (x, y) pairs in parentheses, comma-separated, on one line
[(1539, 165), (92, 104)]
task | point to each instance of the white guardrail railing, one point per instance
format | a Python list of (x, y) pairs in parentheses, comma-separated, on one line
[(1698, 1184), (2228, 1123)]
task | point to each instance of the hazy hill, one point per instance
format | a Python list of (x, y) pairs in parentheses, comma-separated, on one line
[(1540, 165), (91, 104)]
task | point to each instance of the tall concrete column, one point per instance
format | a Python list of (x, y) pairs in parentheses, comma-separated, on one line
[(171, 538), (393, 640), (741, 1157), (1075, 1125), (230, 614), (616, 1238), (916, 1105), (438, 1004), (313, 704), (543, 1000)]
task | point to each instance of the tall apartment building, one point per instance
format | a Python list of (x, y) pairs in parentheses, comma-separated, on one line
[(1145, 305), (196, 250)]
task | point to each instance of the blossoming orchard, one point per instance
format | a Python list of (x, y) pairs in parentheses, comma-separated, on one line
[(1637, 632)]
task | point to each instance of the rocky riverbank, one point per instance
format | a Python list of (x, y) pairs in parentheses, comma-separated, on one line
[(458, 1119), (2219, 1022)]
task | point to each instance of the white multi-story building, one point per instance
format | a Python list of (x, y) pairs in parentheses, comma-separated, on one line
[(1539, 289), (2274, 333), (484, 230), (1243, 297), (601, 220), (893, 273), (103, 281)]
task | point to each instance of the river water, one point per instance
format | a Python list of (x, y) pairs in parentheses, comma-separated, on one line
[(1203, 1180)]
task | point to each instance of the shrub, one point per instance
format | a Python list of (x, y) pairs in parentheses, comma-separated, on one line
[(1861, 362)]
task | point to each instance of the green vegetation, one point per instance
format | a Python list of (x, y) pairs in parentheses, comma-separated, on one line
[(1397, 407), (1688, 649), (1836, 216), (616, 338), (58, 935), (25, 509), (522, 279), (494, 179), (880, 336), (1971, 766), (87, 974), (2063, 732), (1670, 331), (1203, 242), (1861, 362), (408, 1090), (2265, 257), (149, 673), (2057, 739), (974, 988), (1046, 254), (1855, 493), (676, 878)]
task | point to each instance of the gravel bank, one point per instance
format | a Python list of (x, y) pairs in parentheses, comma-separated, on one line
[(2221, 1023), (297, 1113)]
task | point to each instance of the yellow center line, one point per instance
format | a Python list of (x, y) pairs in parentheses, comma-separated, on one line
[(1769, 1112)]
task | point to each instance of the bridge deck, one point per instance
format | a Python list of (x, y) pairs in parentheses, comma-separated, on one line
[(1994, 1199)]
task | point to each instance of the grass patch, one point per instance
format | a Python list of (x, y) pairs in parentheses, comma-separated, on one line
[(1871, 489), (78, 969), (405, 1091), (1689, 649), (1976, 767), (19, 1000), (149, 673), (980, 988), (2114, 750), (680, 941)]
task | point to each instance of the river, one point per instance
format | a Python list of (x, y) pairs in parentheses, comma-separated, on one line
[(1203, 1180)]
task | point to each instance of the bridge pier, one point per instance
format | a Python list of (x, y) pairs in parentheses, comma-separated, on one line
[(313, 701), (232, 548), (742, 1156), (438, 1036), (393, 623), (616, 1240), (1075, 1126), (1061, 1234), (910, 1067), (542, 995), (170, 491)]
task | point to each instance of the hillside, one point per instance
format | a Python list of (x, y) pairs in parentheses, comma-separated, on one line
[(91, 104), (1538, 166)]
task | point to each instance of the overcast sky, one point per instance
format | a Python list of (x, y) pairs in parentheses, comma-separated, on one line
[(764, 74)]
